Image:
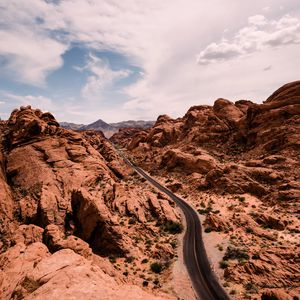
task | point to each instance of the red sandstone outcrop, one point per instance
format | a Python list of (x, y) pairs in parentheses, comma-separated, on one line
[(63, 275), (242, 147), (202, 163), (64, 192), (126, 135), (241, 150)]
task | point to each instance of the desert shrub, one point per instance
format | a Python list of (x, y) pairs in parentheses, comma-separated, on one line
[(220, 247), (173, 244), (249, 230), (125, 273), (223, 264), (267, 296), (235, 253), (205, 211), (172, 227), (131, 221), (112, 259), (208, 229), (129, 259), (251, 288), (231, 207), (241, 199), (145, 283), (156, 267)]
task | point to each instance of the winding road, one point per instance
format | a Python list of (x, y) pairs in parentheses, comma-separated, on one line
[(205, 284)]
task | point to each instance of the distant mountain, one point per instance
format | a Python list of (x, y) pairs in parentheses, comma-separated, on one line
[(108, 128), (72, 126), (133, 124), (98, 125)]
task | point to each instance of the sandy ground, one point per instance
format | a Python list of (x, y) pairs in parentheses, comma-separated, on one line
[(180, 283), (215, 246)]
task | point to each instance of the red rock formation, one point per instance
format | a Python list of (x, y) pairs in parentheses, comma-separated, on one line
[(263, 140), (126, 135), (241, 149), (64, 192)]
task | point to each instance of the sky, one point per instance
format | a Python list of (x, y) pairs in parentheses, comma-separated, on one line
[(117, 60)]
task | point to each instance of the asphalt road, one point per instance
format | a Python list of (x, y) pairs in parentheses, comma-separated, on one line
[(205, 284)]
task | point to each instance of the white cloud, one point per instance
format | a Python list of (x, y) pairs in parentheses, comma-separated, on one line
[(44, 103), (30, 52), (162, 38), (266, 8), (30, 57), (258, 35), (102, 77), (257, 20)]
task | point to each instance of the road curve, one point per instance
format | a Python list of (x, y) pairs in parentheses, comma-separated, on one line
[(204, 281)]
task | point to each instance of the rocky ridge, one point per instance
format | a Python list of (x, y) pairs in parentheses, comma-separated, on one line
[(238, 164), (73, 215)]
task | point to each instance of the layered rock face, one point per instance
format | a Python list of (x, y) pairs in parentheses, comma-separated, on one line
[(249, 153), (70, 210)]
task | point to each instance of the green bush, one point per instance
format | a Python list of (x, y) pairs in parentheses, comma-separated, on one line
[(220, 247), (131, 221), (235, 253), (241, 199), (172, 227), (223, 264), (208, 229), (156, 267), (173, 244), (145, 283), (112, 259), (129, 259), (266, 296), (205, 211), (251, 288), (144, 261), (249, 230)]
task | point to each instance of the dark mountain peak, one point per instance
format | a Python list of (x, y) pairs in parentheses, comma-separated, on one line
[(99, 124)]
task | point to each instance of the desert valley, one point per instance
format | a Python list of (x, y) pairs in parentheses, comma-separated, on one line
[(77, 221)]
